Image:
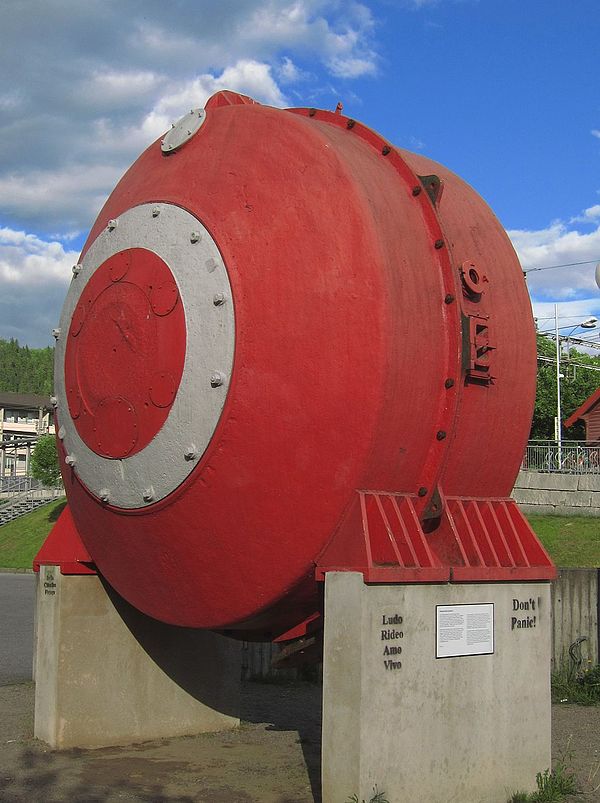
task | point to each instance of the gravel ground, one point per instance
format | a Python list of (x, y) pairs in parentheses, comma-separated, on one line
[(273, 758), (576, 743)]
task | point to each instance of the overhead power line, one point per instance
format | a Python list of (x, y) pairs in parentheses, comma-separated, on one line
[(543, 358), (571, 339), (564, 265)]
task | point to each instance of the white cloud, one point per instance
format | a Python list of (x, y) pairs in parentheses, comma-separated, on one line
[(88, 87), (338, 34), (595, 132), (417, 5), (10, 100), (570, 313), (34, 275), (29, 261), (561, 244), (351, 67), (589, 215), (416, 143), (246, 76), (76, 116), (350, 59), (113, 88), (290, 73), (69, 196)]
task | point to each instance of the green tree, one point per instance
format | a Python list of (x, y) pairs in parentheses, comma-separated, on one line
[(577, 385), (44, 461)]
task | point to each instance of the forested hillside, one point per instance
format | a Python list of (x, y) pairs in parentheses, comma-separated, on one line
[(25, 370)]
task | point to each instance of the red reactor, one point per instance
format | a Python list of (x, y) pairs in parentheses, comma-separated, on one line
[(289, 347)]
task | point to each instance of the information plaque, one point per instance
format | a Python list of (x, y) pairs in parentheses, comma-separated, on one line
[(464, 630)]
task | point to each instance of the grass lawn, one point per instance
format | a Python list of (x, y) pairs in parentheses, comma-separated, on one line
[(21, 539), (570, 540)]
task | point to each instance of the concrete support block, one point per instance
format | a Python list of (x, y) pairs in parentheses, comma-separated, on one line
[(421, 728), (106, 674)]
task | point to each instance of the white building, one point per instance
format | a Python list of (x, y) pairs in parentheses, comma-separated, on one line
[(23, 418)]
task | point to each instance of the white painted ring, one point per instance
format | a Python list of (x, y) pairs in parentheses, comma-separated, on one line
[(186, 246)]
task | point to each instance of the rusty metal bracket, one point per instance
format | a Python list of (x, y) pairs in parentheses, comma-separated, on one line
[(434, 507), (434, 186), (476, 348)]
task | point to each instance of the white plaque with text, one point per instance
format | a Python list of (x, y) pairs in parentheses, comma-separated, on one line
[(464, 630)]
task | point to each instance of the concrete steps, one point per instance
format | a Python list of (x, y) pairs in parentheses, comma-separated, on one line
[(13, 510)]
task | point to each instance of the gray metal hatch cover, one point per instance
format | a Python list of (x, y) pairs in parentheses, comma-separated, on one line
[(183, 130)]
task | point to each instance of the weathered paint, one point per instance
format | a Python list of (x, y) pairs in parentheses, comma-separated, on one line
[(136, 362), (361, 361)]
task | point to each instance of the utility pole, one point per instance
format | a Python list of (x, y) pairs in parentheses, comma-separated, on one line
[(558, 414)]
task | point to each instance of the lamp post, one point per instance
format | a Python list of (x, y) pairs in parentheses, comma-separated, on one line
[(558, 432), (589, 323)]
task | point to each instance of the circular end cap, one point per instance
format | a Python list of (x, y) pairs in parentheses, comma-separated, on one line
[(132, 379), (125, 353)]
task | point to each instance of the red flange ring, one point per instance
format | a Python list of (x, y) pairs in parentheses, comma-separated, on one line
[(139, 389)]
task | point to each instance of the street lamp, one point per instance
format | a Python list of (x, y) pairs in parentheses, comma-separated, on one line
[(589, 323)]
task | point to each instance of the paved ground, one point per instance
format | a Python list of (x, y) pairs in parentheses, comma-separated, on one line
[(273, 758), (17, 596)]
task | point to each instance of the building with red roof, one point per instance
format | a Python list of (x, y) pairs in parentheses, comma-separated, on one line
[(589, 413)]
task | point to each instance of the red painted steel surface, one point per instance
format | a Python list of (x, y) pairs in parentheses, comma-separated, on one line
[(126, 345), (64, 548), (475, 540), (364, 361)]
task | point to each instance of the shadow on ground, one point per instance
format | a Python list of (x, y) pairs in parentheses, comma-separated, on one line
[(56, 511), (274, 757), (294, 707)]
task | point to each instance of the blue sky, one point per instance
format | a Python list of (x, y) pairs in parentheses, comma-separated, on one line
[(504, 92)]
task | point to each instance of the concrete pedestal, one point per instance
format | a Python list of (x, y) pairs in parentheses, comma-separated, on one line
[(470, 728), (107, 675)]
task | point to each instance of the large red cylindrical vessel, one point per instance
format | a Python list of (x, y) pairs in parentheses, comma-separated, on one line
[(280, 321)]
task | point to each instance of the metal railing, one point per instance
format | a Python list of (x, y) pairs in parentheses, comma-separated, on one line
[(10, 486), (571, 457)]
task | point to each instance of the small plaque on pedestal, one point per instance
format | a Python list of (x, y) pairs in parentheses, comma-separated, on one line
[(464, 630)]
